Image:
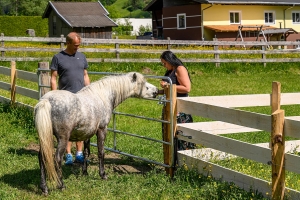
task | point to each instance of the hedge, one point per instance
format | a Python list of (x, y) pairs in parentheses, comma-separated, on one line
[(17, 25)]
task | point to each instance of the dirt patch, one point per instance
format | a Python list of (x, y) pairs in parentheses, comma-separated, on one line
[(112, 161)]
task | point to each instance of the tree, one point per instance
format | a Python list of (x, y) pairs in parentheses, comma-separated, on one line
[(23, 7), (107, 2), (135, 4), (77, 0), (143, 29), (123, 28), (113, 14), (31, 7), (5, 7)]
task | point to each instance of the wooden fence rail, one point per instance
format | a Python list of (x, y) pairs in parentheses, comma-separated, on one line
[(215, 55), (231, 120), (227, 120), (13, 88)]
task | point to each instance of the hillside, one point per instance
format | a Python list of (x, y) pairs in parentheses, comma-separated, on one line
[(125, 10)]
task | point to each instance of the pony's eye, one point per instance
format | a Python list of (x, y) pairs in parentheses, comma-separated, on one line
[(147, 88)]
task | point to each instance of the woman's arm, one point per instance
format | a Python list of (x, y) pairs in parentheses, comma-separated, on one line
[(183, 79)]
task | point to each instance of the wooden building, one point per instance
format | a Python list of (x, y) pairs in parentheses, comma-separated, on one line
[(89, 19), (225, 19)]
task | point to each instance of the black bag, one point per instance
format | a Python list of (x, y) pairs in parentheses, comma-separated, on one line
[(181, 144)]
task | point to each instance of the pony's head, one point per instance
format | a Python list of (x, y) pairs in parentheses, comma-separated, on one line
[(142, 88)]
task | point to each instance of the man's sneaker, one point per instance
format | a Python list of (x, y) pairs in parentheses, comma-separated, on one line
[(79, 158), (69, 159)]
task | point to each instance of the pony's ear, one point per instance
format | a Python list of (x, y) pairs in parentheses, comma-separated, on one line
[(134, 77)]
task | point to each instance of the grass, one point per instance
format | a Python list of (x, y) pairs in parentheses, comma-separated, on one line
[(19, 170), (125, 13)]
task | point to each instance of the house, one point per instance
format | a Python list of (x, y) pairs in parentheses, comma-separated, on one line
[(89, 19), (225, 19), (136, 23)]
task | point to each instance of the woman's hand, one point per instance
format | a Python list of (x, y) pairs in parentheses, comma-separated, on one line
[(163, 84)]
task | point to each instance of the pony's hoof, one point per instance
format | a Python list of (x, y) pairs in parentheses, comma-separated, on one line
[(45, 193), (85, 173), (62, 187), (104, 177)]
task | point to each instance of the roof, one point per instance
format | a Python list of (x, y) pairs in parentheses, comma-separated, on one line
[(154, 5), (80, 14), (235, 27), (252, 2), (279, 30)]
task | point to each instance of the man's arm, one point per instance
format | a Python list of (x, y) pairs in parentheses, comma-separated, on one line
[(86, 78), (53, 80)]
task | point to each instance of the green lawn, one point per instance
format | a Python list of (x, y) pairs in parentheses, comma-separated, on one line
[(19, 170)]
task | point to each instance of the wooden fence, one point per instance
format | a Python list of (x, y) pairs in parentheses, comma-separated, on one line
[(227, 120), (216, 53), (13, 88)]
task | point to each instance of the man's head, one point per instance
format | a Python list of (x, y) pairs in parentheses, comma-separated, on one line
[(73, 41)]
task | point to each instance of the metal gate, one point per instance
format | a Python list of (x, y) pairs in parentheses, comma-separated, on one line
[(162, 100)]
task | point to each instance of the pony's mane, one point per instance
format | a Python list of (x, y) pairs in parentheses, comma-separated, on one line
[(118, 85)]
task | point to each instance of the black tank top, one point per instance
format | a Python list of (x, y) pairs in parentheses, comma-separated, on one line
[(173, 77)]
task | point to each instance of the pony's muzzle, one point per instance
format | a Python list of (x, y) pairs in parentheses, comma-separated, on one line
[(155, 93)]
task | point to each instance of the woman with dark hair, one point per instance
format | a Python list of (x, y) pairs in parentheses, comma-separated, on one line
[(177, 72), (179, 75)]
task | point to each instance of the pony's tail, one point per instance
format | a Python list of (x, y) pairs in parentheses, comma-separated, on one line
[(43, 124)]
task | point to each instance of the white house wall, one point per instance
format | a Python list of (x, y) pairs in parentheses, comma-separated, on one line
[(250, 15), (136, 23)]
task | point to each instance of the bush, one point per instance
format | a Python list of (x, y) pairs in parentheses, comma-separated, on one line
[(144, 29), (17, 25)]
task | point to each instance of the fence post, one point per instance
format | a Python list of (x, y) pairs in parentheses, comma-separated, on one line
[(2, 44), (13, 79), (263, 56), (152, 38), (277, 145), (217, 56), (168, 45), (44, 78), (62, 43), (117, 49), (169, 150)]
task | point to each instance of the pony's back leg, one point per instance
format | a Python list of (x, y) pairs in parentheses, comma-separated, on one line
[(86, 153), (43, 184), (60, 150), (101, 134)]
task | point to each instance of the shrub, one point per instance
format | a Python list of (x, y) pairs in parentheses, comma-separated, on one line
[(17, 25)]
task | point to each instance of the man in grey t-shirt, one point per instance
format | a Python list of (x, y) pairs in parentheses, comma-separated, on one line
[(70, 66)]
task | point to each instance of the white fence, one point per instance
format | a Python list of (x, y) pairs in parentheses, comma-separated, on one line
[(228, 119)]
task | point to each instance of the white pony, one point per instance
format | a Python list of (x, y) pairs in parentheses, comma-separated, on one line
[(77, 117)]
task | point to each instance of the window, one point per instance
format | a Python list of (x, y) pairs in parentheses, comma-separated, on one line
[(54, 25), (181, 21), (296, 17), (269, 18), (235, 18), (297, 46)]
